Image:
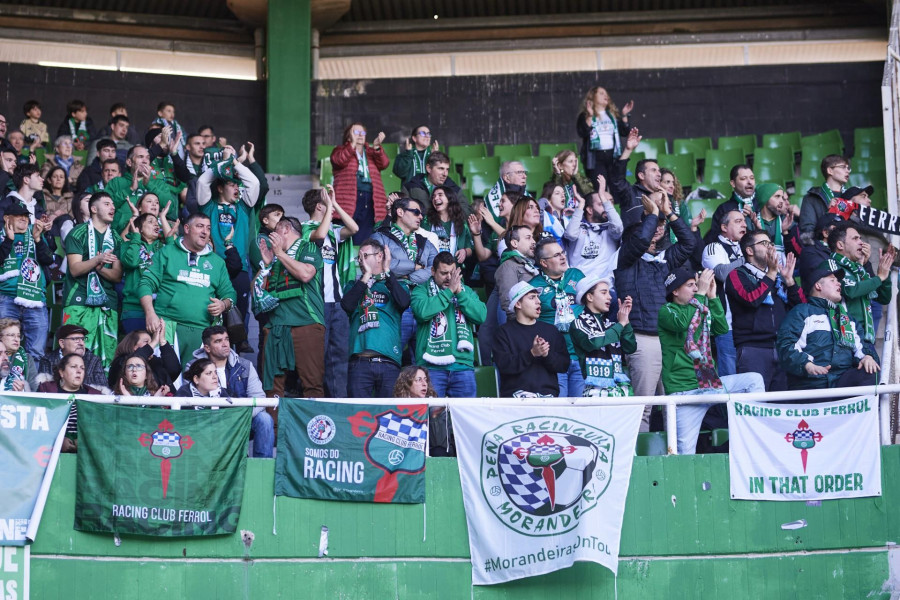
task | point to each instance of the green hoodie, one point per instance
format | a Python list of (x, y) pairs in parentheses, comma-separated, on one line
[(183, 291), (119, 189), (425, 307)]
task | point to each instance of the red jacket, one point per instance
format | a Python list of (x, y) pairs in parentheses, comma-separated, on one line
[(345, 165)]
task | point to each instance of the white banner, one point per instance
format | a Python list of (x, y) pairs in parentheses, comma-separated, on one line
[(804, 451), (543, 487)]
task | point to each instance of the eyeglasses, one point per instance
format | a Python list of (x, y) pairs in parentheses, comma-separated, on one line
[(553, 256), (841, 167), (359, 132), (135, 368), (520, 172), (77, 340), (424, 133), (12, 336), (368, 254), (766, 243)]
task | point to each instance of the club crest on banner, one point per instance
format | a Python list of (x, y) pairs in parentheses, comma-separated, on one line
[(321, 429), (165, 443), (803, 438), (397, 445), (540, 475)]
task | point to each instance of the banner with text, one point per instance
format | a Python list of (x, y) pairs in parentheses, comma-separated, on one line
[(31, 434), (359, 452), (804, 451), (153, 471), (542, 487), (15, 572)]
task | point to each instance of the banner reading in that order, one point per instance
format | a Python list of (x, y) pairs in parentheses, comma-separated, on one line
[(543, 487), (15, 572), (360, 452), (804, 451), (31, 434), (154, 471)]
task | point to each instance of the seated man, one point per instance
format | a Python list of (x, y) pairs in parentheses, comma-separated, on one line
[(239, 377), (71, 341), (528, 353), (687, 323), (600, 343), (819, 344)]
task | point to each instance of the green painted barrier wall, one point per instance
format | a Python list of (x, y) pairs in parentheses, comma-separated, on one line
[(683, 537)]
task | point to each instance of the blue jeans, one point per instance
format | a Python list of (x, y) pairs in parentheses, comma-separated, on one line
[(337, 342), (571, 383), (688, 417), (129, 325), (35, 323), (726, 355), (372, 379), (263, 428), (453, 384), (408, 332)]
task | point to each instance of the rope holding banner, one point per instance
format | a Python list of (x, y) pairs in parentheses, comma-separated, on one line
[(274, 529), (424, 523)]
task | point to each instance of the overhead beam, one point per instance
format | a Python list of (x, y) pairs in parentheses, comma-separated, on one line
[(325, 13)]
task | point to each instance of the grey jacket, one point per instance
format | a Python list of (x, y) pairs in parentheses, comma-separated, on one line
[(401, 265)]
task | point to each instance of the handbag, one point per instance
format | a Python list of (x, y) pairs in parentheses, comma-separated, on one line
[(234, 323)]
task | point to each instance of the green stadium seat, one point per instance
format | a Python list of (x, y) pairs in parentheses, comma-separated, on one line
[(653, 147), (868, 136), (391, 182), (323, 151), (869, 151), (831, 137), (326, 173), (486, 383), (768, 156), (391, 149), (789, 140), (723, 158), (633, 160), (41, 155), (810, 169), (710, 206), (816, 152), (487, 165), (552, 150), (507, 152), (652, 444), (684, 166), (717, 174), (694, 146), (478, 184), (745, 142), (779, 173), (458, 154), (864, 165), (540, 171), (801, 186)]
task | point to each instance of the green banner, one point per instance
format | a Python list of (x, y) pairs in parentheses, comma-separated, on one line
[(15, 572), (356, 452), (154, 471), (29, 428)]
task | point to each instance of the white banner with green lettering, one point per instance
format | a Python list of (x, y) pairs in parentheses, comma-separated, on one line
[(804, 451), (543, 487), (31, 433)]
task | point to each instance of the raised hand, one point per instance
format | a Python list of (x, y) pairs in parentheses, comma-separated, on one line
[(634, 138), (266, 252), (787, 271), (377, 142), (624, 310), (626, 110), (706, 279)]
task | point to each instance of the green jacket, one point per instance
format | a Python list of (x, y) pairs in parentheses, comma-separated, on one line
[(426, 307), (183, 291), (136, 257), (593, 336), (405, 163), (548, 303), (678, 374)]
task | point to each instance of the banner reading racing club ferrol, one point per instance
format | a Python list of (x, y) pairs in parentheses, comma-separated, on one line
[(360, 452), (543, 488), (154, 471), (31, 432), (804, 451)]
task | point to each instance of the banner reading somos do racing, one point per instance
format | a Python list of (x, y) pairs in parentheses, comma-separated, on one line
[(804, 451), (543, 487)]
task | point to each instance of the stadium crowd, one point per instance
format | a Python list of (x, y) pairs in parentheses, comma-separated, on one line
[(167, 246)]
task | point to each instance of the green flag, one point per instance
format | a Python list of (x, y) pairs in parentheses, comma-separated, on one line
[(357, 452), (29, 429), (154, 471)]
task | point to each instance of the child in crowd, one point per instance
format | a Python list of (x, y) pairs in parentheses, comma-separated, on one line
[(77, 124), (165, 112), (32, 127)]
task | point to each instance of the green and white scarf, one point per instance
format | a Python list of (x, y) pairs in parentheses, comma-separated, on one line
[(596, 134), (492, 200), (439, 348), (858, 272), (78, 131), (697, 346), (841, 326), (407, 241), (362, 171), (261, 300), (96, 295), (18, 369), (369, 318), (419, 160), (30, 283)]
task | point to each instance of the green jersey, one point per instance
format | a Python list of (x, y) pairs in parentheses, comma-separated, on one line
[(375, 322), (184, 282), (300, 303), (77, 242), (137, 256)]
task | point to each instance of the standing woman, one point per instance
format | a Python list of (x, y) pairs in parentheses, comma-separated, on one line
[(357, 179), (447, 221), (601, 128), (419, 147), (57, 193), (565, 173)]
